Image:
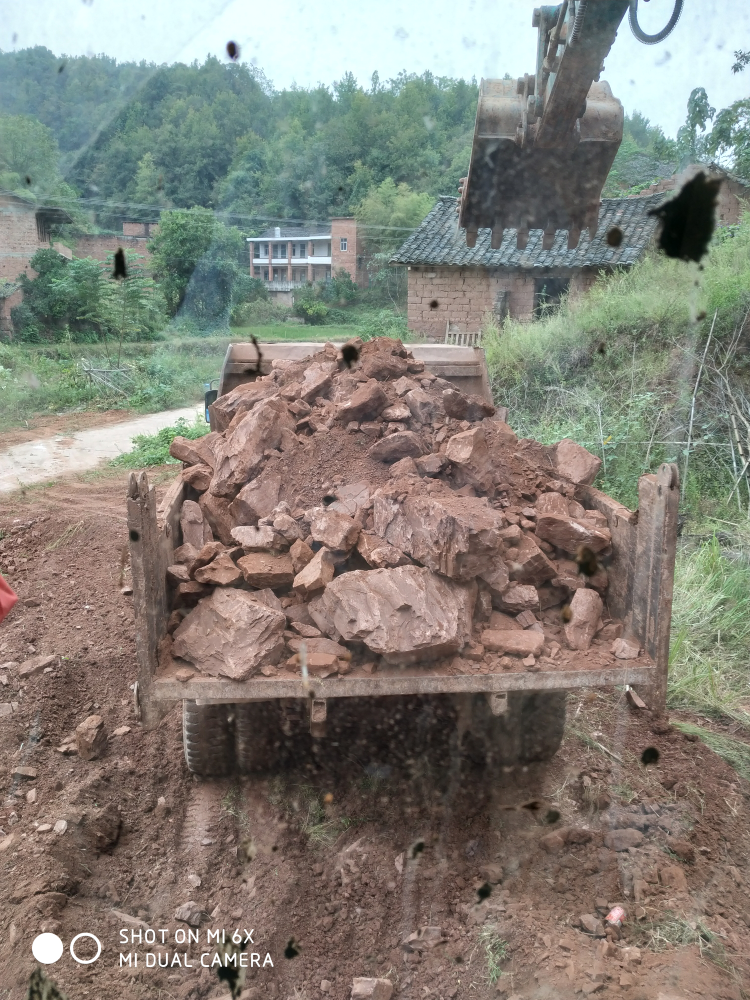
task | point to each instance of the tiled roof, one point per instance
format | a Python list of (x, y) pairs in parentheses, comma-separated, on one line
[(295, 232), (439, 240)]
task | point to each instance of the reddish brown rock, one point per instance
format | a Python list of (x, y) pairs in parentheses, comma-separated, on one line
[(497, 579), (462, 407), (456, 536), (240, 456), (198, 476), (267, 569), (91, 738), (568, 534), (575, 463), (195, 528), (352, 499), (220, 572), (430, 465), (621, 840), (186, 554), (231, 635), (384, 367), (502, 622), (424, 407), (626, 648), (316, 574), (218, 513), (469, 452), (209, 551), (515, 643), (239, 402), (322, 646), (402, 444), (185, 450), (258, 539), (586, 612), (257, 499), (301, 554), (520, 597), (552, 503), (404, 467), (528, 564), (398, 413), (177, 573), (366, 403), (404, 614), (335, 530), (377, 553)]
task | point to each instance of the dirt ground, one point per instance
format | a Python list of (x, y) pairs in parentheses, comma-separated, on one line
[(355, 843), (47, 425)]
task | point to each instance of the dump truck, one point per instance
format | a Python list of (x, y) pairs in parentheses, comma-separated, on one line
[(544, 143), (516, 706)]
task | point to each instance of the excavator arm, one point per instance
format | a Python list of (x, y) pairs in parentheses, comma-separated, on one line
[(544, 144)]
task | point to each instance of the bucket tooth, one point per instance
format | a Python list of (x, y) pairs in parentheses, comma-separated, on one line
[(496, 240), (471, 238), (522, 237), (548, 240), (574, 235)]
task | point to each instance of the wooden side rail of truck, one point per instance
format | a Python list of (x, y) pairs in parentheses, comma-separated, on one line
[(224, 720)]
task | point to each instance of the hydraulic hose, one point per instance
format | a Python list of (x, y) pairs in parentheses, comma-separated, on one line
[(578, 22), (641, 35)]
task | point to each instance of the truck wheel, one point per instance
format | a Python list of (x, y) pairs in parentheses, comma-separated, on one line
[(531, 730), (258, 735), (208, 738)]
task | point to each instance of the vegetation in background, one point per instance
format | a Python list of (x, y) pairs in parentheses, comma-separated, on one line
[(78, 301), (153, 449)]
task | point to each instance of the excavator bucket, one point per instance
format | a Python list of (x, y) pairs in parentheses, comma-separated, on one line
[(544, 144)]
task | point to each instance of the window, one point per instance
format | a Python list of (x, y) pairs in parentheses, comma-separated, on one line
[(343, 243), (265, 274), (303, 249), (282, 249), (265, 250), (275, 250), (256, 272), (328, 252), (294, 249), (256, 249)]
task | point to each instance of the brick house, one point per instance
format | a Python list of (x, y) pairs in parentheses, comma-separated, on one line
[(135, 236), (25, 227), (288, 257), (452, 287)]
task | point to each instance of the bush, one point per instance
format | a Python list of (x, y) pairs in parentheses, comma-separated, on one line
[(384, 323), (260, 312), (314, 313), (153, 449)]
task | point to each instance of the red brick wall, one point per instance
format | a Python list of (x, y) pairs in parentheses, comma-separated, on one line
[(19, 239), (101, 246), (351, 259), (143, 229), (463, 296)]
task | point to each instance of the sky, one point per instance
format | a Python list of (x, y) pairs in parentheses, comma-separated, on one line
[(308, 43)]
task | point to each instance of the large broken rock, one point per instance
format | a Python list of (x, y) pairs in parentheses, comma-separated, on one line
[(195, 529), (257, 499), (240, 456), (552, 503), (585, 614), (260, 539), (379, 554), (267, 569), (402, 444), (217, 512), (316, 573), (230, 635), (463, 407), (209, 551), (238, 401), (198, 476), (366, 403), (575, 463), (195, 452), (221, 572), (384, 367), (404, 614), (468, 451), (352, 499), (456, 536), (520, 597), (301, 554), (333, 529), (568, 534), (517, 643), (425, 409), (528, 564)]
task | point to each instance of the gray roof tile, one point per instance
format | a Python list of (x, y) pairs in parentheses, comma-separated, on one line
[(439, 240)]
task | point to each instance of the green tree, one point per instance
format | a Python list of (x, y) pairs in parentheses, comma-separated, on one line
[(389, 212), (149, 188), (29, 158), (691, 138), (184, 236)]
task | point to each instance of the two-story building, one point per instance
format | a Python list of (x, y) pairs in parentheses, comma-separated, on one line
[(288, 257)]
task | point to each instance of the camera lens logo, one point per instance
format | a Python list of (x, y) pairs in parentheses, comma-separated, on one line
[(48, 948)]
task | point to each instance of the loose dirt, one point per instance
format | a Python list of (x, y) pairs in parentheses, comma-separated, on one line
[(38, 459), (353, 843)]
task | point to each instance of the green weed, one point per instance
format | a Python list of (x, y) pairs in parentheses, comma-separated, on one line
[(153, 449), (495, 952), (736, 753)]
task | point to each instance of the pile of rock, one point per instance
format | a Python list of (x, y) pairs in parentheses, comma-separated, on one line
[(356, 517)]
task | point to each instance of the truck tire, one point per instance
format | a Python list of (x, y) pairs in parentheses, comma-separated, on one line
[(530, 731), (208, 738), (258, 735)]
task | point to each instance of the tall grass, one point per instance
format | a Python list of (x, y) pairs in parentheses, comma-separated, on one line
[(709, 661)]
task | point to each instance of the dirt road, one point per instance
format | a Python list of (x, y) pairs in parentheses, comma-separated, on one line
[(352, 844), (46, 458)]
